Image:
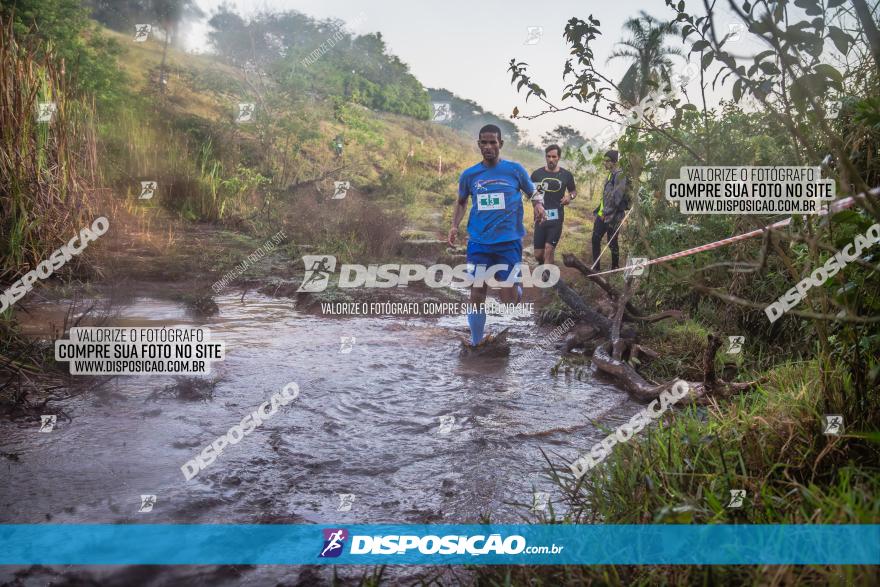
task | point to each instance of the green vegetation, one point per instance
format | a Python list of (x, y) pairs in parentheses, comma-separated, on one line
[(350, 112), (790, 126), (769, 442), (681, 471), (117, 125), (820, 358), (321, 58), (62, 29), (280, 168), (48, 167), (331, 106)]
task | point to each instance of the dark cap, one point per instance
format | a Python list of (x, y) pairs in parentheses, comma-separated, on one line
[(613, 155)]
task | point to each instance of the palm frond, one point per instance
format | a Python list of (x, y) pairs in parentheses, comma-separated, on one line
[(616, 54), (649, 55)]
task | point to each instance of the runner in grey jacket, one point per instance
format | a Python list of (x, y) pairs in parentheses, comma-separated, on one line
[(611, 210)]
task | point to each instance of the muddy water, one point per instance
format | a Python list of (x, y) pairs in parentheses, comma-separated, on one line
[(367, 423)]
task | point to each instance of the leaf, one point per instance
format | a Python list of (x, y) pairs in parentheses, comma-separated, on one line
[(761, 27), (714, 503), (806, 4), (850, 217), (682, 514), (829, 72), (840, 39), (737, 90), (812, 84), (763, 54), (799, 34), (699, 46), (870, 436), (763, 88), (707, 59), (769, 68)]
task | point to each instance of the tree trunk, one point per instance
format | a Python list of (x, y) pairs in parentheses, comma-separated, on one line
[(616, 344), (595, 319), (712, 345), (870, 28)]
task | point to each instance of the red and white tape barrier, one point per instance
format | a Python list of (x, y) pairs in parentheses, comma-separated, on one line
[(835, 207)]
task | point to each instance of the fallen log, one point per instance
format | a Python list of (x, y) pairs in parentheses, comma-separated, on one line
[(701, 392), (610, 357), (637, 350), (570, 260), (595, 319), (626, 376), (632, 313)]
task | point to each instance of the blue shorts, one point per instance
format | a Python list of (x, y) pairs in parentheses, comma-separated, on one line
[(507, 253)]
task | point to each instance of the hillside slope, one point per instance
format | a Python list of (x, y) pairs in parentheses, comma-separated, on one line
[(209, 167)]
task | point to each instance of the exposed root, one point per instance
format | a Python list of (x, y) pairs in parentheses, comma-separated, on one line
[(676, 314)]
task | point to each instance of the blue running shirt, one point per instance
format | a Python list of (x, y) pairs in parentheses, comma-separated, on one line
[(496, 202)]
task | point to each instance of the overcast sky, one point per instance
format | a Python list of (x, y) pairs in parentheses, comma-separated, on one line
[(465, 46)]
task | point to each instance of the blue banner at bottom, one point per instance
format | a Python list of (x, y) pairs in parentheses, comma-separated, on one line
[(265, 544)]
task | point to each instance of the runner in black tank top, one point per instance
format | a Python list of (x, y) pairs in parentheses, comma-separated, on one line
[(555, 181)]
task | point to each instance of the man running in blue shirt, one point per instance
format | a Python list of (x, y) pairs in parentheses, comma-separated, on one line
[(495, 226)]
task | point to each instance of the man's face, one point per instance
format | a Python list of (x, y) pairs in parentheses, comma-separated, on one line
[(552, 159), (490, 146), (607, 163)]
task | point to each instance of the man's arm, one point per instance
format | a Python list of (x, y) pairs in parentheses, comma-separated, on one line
[(458, 211), (535, 195), (572, 191), (538, 206)]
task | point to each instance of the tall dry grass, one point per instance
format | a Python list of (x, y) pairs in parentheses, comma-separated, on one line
[(47, 170), (47, 176)]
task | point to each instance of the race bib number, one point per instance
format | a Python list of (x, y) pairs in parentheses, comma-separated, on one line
[(494, 201), (552, 214)]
